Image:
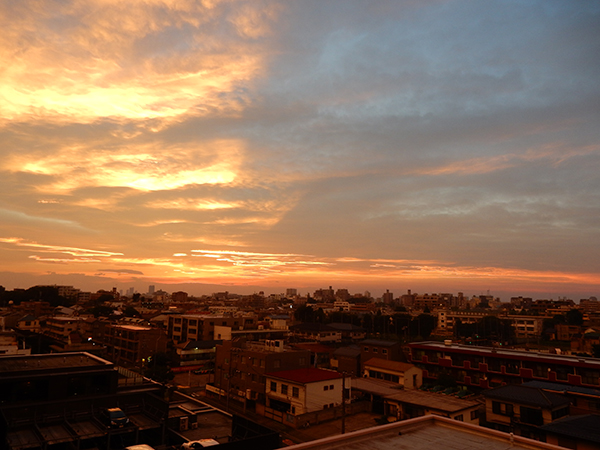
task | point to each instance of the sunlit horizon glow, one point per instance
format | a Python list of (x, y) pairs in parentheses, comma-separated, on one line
[(432, 146)]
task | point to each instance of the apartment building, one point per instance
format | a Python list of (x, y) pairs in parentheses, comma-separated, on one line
[(133, 344), (241, 369), (201, 327), (486, 367)]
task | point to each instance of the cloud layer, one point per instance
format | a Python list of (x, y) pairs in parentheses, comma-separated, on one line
[(375, 145)]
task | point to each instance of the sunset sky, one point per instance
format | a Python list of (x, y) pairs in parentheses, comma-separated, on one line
[(438, 146)]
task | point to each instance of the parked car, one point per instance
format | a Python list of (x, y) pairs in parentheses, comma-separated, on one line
[(115, 417)]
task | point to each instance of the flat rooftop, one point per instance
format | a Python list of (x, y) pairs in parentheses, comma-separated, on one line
[(425, 433), (20, 363)]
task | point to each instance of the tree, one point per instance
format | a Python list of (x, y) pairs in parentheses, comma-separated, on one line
[(130, 311), (574, 317), (305, 314)]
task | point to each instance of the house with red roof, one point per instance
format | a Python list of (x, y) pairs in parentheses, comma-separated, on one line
[(302, 391)]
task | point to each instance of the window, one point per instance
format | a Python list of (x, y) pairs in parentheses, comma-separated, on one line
[(325, 388), (560, 413), (532, 416), (504, 409), (331, 387), (277, 364), (177, 329), (366, 349), (273, 386), (474, 414), (284, 389), (384, 351), (295, 392), (459, 418), (374, 350)]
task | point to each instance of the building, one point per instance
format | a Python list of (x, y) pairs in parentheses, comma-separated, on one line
[(133, 344), (577, 432), (241, 368), (406, 375), (61, 327), (346, 360), (301, 391), (200, 327), (316, 332), (487, 367), (402, 404), (583, 400), (376, 348), (56, 401), (425, 433), (9, 344), (197, 354), (179, 297), (523, 409)]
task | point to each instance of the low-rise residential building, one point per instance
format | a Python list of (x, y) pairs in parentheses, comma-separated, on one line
[(346, 360), (302, 391), (60, 327), (403, 404), (523, 409), (406, 375), (316, 332), (377, 348)]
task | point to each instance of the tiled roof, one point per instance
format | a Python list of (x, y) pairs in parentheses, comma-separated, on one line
[(564, 388), (526, 395), (381, 363), (308, 375), (352, 351), (315, 348), (581, 427), (378, 342)]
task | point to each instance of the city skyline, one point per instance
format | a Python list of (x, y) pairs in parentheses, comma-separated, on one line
[(437, 146)]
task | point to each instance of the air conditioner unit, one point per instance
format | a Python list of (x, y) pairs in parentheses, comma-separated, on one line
[(183, 423)]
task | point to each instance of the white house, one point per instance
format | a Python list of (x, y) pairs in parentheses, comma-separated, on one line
[(302, 391)]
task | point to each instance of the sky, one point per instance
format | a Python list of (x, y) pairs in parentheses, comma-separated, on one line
[(431, 145)]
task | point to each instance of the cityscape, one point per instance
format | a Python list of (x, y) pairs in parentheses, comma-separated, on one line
[(111, 369), (311, 225)]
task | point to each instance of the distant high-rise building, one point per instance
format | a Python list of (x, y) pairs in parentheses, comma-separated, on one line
[(388, 297), (151, 289), (290, 292)]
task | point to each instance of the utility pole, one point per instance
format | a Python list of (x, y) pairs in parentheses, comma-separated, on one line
[(343, 402)]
